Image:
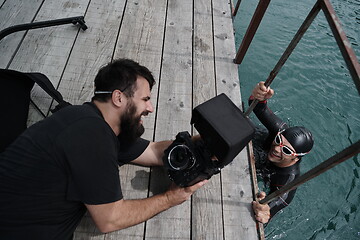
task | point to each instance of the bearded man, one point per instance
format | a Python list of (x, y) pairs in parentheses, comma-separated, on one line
[(68, 163)]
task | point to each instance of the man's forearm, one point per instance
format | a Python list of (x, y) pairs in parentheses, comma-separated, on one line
[(141, 210), (126, 213), (153, 154)]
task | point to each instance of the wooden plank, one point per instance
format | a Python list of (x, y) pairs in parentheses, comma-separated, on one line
[(92, 49), (13, 13), (140, 38), (207, 221), (237, 198), (186, 76), (46, 50), (174, 112), (236, 184)]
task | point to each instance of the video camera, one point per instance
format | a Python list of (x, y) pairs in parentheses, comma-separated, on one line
[(224, 132)]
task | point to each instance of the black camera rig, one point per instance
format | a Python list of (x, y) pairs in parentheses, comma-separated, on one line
[(224, 132)]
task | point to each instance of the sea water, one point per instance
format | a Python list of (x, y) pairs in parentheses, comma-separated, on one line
[(313, 89)]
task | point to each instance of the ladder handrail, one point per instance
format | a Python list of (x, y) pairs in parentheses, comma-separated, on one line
[(334, 23), (339, 34), (354, 69), (306, 24), (340, 157)]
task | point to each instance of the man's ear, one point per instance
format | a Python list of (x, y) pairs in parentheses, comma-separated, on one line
[(116, 98), (296, 159)]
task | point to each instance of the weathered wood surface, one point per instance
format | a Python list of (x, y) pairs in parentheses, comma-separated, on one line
[(189, 47), (140, 38), (13, 13), (174, 112), (206, 201), (47, 50), (236, 184)]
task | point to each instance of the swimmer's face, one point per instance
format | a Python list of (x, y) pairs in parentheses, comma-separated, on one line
[(277, 156)]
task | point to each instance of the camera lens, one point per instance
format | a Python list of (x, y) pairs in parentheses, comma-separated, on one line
[(180, 157)]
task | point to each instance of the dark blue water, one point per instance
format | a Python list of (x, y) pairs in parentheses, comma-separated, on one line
[(313, 89)]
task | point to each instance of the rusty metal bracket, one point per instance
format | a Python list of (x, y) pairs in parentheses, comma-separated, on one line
[(250, 32), (339, 34), (343, 42), (306, 24)]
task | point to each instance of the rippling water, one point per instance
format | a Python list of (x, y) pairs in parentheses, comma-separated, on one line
[(313, 89)]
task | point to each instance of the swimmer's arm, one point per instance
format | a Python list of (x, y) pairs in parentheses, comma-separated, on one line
[(272, 122)]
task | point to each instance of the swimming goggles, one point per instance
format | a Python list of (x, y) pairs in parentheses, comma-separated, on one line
[(285, 149)]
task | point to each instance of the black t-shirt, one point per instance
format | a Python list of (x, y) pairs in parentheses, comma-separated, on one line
[(56, 166)]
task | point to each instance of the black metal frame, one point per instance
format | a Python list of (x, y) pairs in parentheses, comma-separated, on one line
[(42, 24), (27, 26)]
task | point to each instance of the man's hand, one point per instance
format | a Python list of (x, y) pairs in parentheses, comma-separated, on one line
[(177, 195), (261, 93), (261, 211), (121, 214)]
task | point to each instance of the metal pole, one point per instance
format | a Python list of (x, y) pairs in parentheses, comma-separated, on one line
[(259, 225), (236, 8), (250, 32), (343, 43), (300, 33), (27, 26), (321, 168)]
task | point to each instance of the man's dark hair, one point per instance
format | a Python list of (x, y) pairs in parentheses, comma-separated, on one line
[(120, 74)]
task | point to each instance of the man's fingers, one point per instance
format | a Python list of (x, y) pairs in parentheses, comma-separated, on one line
[(262, 212), (198, 185), (271, 91), (263, 87), (261, 92), (261, 195), (262, 218), (260, 207)]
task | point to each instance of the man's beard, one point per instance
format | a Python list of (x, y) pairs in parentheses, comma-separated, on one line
[(130, 127)]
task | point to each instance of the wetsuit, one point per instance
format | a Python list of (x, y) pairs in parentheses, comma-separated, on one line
[(274, 177)]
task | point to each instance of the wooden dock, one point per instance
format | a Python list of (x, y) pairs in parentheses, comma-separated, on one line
[(189, 46)]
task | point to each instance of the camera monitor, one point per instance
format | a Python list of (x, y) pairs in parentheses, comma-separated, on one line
[(223, 127)]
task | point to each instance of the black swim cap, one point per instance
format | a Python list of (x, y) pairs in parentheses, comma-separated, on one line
[(300, 138)]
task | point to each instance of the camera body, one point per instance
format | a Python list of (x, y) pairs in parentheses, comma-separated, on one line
[(224, 131), (189, 162)]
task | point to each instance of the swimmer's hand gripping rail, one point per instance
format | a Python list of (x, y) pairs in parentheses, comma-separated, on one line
[(306, 24), (267, 83), (339, 35)]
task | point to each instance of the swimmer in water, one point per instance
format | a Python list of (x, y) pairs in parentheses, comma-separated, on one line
[(284, 148)]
